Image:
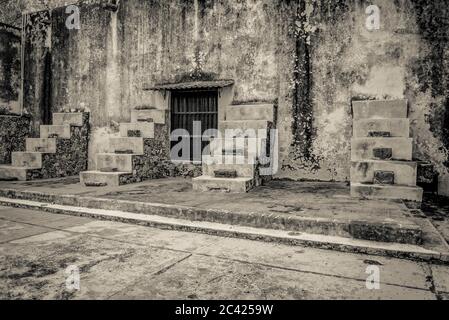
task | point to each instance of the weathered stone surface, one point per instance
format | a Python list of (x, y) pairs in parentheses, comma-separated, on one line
[(383, 177), (382, 153)]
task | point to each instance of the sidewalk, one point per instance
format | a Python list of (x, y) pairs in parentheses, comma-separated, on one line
[(122, 261)]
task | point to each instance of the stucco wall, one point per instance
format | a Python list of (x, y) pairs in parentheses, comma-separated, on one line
[(269, 48)]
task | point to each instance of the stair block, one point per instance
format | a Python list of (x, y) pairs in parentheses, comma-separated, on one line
[(371, 109), (230, 185), (27, 159), (8, 172), (62, 131), (73, 119), (362, 148), (380, 191), (146, 129), (404, 172), (158, 116), (101, 179), (122, 162), (123, 144), (43, 145), (396, 127)]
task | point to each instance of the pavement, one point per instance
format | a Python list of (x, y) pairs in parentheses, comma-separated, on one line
[(41, 254)]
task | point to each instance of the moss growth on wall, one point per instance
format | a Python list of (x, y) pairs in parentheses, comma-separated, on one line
[(13, 132)]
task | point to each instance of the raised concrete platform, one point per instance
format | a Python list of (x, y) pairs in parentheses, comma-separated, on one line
[(322, 208), (313, 214)]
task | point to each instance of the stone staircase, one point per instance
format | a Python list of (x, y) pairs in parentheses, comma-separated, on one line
[(234, 162), (60, 151), (381, 152), (136, 155)]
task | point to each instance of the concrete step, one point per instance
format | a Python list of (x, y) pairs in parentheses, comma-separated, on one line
[(404, 172), (250, 112), (248, 147), (242, 170), (124, 144), (231, 185), (62, 131), (397, 127), (101, 179), (8, 172), (44, 145), (146, 129), (121, 162), (27, 159), (250, 127), (378, 191), (369, 109), (73, 119), (362, 148), (158, 116)]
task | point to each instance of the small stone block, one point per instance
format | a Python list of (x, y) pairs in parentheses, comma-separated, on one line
[(384, 134), (383, 177), (225, 174), (109, 170), (383, 153), (134, 133), (124, 151), (53, 135), (145, 120)]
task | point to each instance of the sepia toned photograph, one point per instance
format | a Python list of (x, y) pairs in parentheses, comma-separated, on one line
[(224, 156)]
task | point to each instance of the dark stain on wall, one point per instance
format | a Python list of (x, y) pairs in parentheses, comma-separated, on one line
[(9, 63)]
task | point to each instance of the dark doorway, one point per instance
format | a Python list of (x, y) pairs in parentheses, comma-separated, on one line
[(190, 106)]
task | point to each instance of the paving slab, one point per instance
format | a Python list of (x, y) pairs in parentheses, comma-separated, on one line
[(205, 278)]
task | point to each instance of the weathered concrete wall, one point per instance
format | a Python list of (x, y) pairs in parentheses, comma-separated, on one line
[(406, 58), (10, 57), (311, 56)]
